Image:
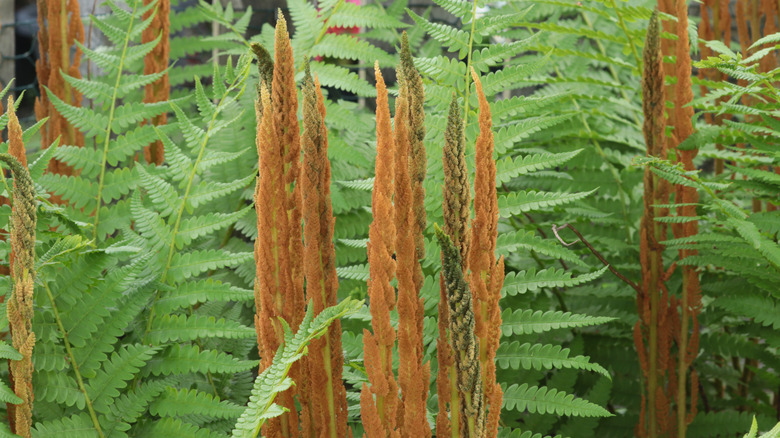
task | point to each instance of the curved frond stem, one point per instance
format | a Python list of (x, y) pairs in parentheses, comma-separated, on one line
[(107, 140), (601, 258), (73, 363)]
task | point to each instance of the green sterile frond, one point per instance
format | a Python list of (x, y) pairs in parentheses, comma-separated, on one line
[(497, 54), (150, 224), (529, 281), (76, 426), (175, 427), (207, 191), (88, 121), (197, 226), (86, 159), (132, 114), (355, 272), (200, 291), (93, 355), (188, 264), (507, 136), (762, 308), (162, 194), (78, 191), (365, 185), (177, 160), (115, 373), (454, 39), (93, 89), (183, 328), (346, 46), (522, 322), (129, 143), (7, 394), (342, 78), (508, 168), (180, 359), (723, 423), (457, 8), (369, 16), (542, 357), (443, 70), (193, 403), (118, 183), (546, 400), (508, 243), (511, 76), (529, 201), (129, 407), (526, 105), (193, 134), (58, 387), (274, 379), (215, 158)]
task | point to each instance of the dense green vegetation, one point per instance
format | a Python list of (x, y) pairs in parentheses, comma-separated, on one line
[(638, 242)]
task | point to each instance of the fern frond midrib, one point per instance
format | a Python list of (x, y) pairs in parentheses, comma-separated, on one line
[(185, 197), (107, 141), (73, 361)]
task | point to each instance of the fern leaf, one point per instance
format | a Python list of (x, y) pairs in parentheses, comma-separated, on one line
[(186, 265), (529, 281), (183, 402), (517, 203), (550, 401), (183, 359), (542, 357), (187, 328), (523, 322), (116, 372)]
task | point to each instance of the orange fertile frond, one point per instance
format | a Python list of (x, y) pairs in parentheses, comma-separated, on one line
[(55, 20), (329, 402), (273, 281), (380, 406), (412, 376), (156, 61), (486, 276)]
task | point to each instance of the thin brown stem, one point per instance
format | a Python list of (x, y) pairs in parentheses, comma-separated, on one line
[(582, 239)]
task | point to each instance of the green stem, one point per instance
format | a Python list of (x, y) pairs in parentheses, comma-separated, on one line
[(682, 365), (468, 66), (73, 362), (107, 141), (628, 35)]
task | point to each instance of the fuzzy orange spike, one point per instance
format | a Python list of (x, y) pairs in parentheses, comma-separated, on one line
[(487, 276), (379, 402), (412, 374), (691, 294), (155, 62), (22, 262), (273, 280), (652, 342), (59, 27), (329, 401)]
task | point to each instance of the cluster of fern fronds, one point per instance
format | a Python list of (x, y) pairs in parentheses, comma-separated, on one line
[(545, 187)]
